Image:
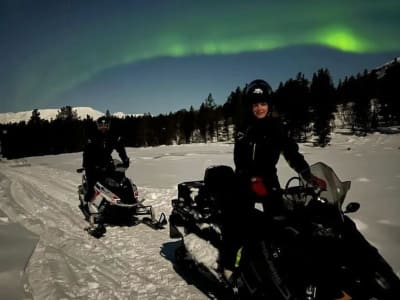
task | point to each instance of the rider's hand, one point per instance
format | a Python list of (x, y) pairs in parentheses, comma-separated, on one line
[(100, 169), (258, 187), (110, 168), (125, 163), (317, 182)]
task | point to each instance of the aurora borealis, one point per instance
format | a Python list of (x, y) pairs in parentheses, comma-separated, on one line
[(88, 53)]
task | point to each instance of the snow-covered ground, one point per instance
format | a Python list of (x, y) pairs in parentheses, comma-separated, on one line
[(40, 194)]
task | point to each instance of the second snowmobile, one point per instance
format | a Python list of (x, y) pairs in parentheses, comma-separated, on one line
[(116, 201)]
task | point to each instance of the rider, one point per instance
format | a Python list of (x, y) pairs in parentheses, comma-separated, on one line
[(97, 159), (256, 153)]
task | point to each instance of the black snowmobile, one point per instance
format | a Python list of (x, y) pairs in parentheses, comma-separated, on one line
[(314, 253), (116, 201)]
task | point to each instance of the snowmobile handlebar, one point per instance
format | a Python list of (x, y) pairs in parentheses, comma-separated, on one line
[(303, 194)]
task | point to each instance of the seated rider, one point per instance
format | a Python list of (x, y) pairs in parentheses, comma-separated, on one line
[(97, 157), (256, 153)]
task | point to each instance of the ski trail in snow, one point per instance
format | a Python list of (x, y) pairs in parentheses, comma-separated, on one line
[(72, 264)]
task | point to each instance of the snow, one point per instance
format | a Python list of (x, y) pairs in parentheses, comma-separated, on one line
[(40, 195), (47, 114), (51, 114), (122, 115), (202, 252), (381, 70)]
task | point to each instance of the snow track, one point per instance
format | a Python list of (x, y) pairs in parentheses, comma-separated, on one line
[(68, 263)]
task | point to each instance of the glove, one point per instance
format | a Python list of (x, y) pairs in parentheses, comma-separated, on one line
[(317, 182), (110, 167), (100, 169), (125, 163), (258, 187)]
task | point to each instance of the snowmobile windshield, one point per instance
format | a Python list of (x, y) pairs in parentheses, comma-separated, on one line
[(336, 190)]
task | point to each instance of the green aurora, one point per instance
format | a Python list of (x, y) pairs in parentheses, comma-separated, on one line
[(65, 45)]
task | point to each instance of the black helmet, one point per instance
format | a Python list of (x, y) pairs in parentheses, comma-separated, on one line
[(103, 123), (258, 91)]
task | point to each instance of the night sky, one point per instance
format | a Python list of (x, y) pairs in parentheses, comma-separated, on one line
[(160, 56)]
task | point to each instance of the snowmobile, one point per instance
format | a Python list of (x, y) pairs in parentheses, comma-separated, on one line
[(313, 252), (117, 201)]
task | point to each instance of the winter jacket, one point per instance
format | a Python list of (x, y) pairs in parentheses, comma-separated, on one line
[(258, 148), (98, 150)]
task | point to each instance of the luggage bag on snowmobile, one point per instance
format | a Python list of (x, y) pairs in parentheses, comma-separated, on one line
[(199, 202)]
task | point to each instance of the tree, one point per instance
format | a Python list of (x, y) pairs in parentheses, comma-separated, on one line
[(357, 108), (293, 103), (323, 103), (188, 124), (212, 127), (364, 93), (35, 118), (235, 108), (67, 113), (389, 94), (206, 118)]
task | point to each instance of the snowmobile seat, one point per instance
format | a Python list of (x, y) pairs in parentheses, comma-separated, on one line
[(193, 195), (219, 179), (218, 182)]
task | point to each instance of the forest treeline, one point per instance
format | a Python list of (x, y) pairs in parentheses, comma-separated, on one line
[(311, 108)]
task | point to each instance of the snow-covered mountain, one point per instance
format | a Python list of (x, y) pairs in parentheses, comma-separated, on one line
[(47, 114), (122, 115), (51, 113), (381, 70)]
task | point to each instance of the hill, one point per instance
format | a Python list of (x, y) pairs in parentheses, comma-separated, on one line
[(47, 114)]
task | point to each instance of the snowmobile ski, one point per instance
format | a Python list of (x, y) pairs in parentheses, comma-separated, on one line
[(155, 224), (96, 231)]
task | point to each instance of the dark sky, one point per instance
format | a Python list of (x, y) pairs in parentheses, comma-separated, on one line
[(158, 56)]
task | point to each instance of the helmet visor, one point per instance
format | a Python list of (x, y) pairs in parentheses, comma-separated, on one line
[(259, 98), (103, 125)]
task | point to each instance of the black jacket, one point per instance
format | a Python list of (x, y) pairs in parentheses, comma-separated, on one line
[(97, 152), (257, 151)]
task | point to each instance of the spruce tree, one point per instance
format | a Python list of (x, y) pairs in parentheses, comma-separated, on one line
[(323, 103)]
